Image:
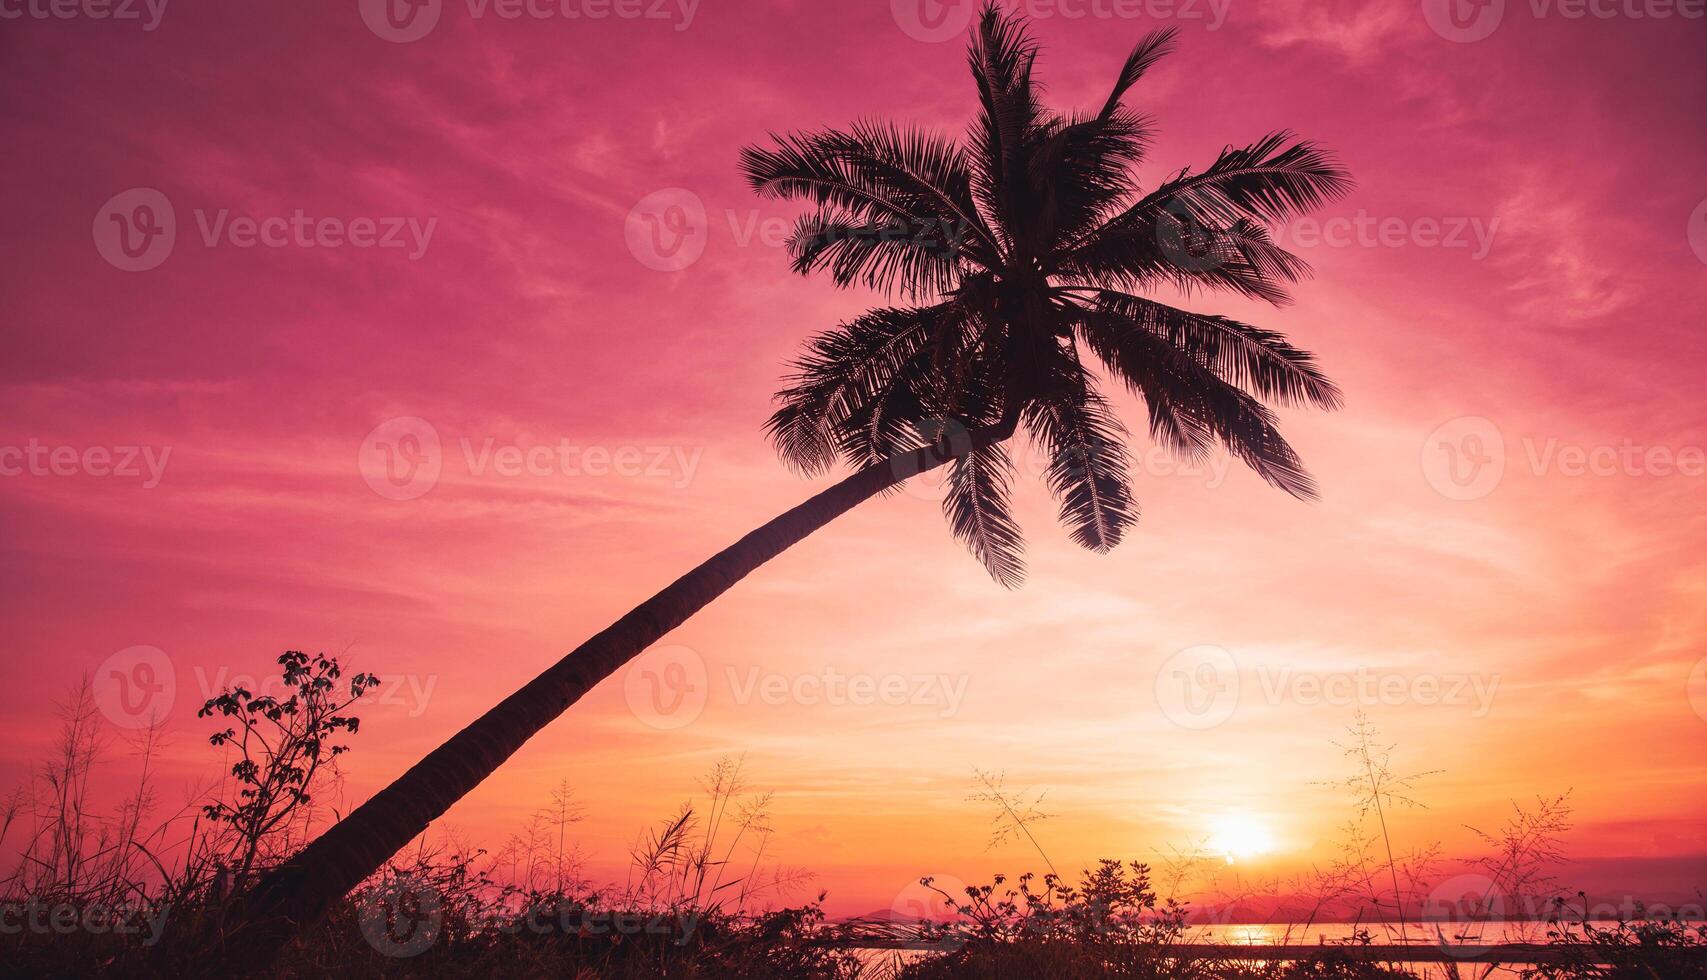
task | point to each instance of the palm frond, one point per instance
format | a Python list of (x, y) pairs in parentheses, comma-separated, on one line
[(1087, 461), (1190, 406), (1260, 361), (891, 255), (1001, 55), (1080, 171), (842, 372), (1145, 250), (976, 505), (1155, 46), (1033, 236), (1269, 181)]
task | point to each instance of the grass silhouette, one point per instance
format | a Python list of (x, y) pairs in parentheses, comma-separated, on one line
[(91, 892)]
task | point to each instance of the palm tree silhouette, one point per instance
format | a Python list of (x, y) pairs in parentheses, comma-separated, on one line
[(1023, 249)]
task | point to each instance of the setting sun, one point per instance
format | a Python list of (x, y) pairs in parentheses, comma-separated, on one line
[(1240, 836)]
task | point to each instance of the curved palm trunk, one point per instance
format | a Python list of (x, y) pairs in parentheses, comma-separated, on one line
[(300, 890)]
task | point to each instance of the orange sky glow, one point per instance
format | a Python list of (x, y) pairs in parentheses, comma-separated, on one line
[(1505, 572)]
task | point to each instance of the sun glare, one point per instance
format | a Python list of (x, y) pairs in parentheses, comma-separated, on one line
[(1240, 836)]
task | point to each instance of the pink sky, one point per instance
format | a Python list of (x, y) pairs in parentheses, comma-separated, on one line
[(1518, 253)]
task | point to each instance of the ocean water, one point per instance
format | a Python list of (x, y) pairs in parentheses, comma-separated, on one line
[(879, 962), (1380, 933)]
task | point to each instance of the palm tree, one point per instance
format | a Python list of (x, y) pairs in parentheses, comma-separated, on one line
[(1021, 253)]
